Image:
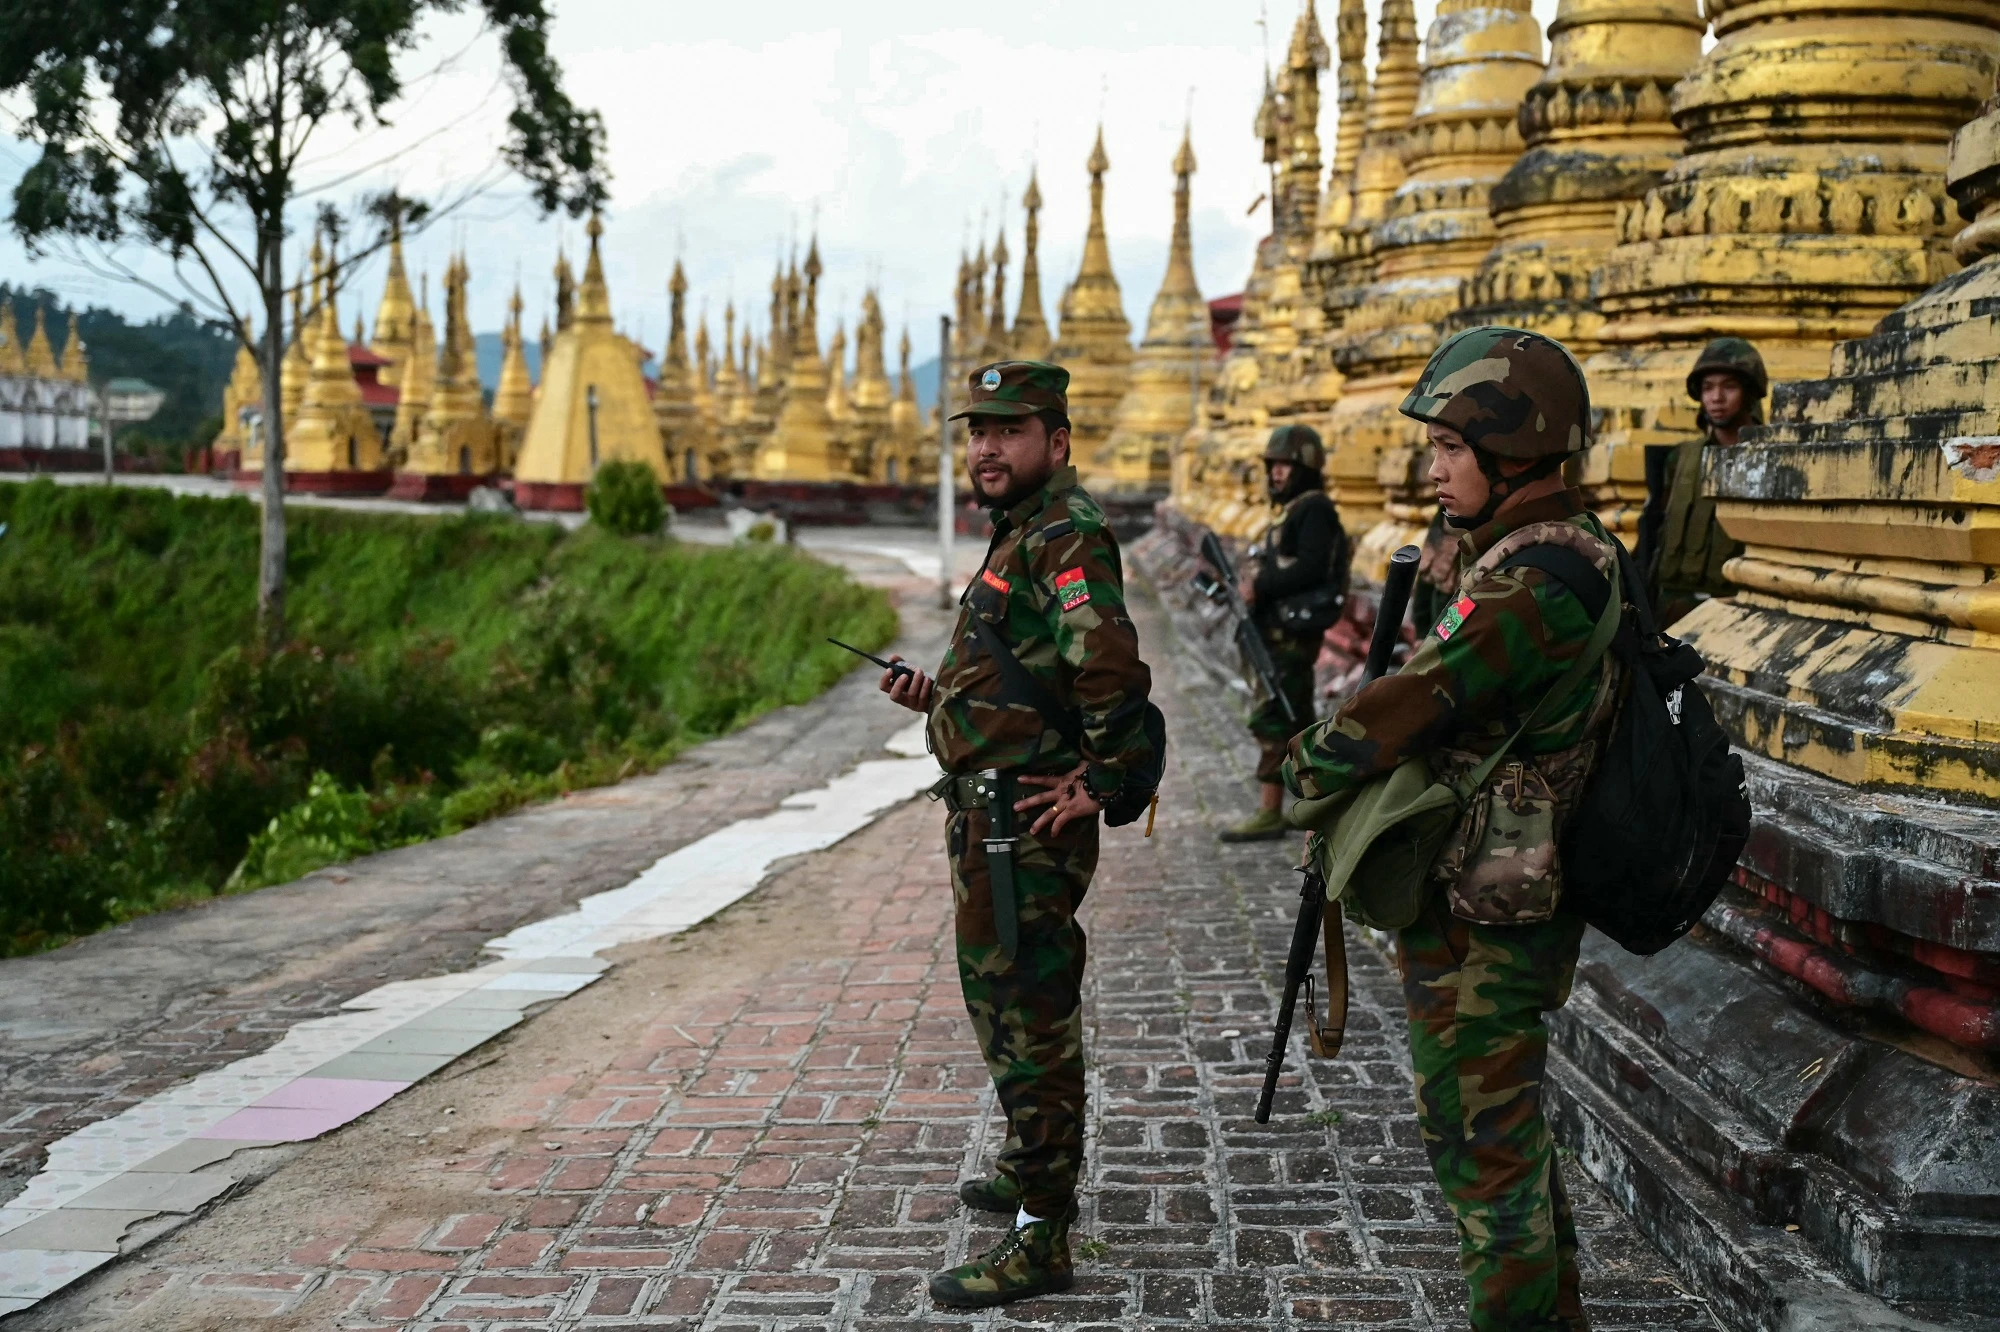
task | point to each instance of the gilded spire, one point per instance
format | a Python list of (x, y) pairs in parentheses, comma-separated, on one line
[(675, 362), (593, 299), (333, 431), (76, 361), (296, 368), (1350, 98), (1095, 342), (514, 395), (395, 316), (998, 344), (13, 358), (419, 375), (41, 356), (1304, 59), (871, 374), (1031, 330), (837, 405), (1158, 408), (565, 291)]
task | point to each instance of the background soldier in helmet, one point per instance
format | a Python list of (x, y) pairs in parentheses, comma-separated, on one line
[(1488, 953), (1294, 585), (1682, 546), (1044, 616)]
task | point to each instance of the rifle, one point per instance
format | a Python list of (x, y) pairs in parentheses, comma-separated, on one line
[(1220, 587), (1312, 893)]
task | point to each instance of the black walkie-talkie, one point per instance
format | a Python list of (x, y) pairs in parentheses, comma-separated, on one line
[(896, 668)]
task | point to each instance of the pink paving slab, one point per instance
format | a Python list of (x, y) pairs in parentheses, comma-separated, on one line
[(354, 1096), (281, 1123)]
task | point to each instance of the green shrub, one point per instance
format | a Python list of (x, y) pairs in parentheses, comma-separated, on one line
[(624, 497), (445, 670)]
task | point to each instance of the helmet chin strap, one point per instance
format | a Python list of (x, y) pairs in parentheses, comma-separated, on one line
[(1499, 486)]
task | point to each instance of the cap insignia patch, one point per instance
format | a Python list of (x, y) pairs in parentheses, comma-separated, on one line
[(990, 380)]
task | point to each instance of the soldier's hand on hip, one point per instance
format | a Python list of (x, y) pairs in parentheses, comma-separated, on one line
[(1064, 800), (910, 687)]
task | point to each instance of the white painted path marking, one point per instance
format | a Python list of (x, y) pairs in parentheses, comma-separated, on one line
[(144, 1167)]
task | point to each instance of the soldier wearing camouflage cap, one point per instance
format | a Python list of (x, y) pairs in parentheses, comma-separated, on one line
[(1489, 952), (1682, 547), (1294, 583), (1041, 626)]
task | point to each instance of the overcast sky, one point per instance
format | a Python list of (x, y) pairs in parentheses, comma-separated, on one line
[(894, 126)]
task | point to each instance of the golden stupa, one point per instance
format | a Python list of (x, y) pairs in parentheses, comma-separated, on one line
[(416, 375), (514, 395), (395, 315), (801, 446), (332, 443), (457, 444), (1095, 341), (1031, 341), (242, 403), (1159, 408), (592, 407)]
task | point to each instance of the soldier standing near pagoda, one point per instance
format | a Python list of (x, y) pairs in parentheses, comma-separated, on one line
[(1294, 587), (1489, 953), (1684, 566), (1038, 709)]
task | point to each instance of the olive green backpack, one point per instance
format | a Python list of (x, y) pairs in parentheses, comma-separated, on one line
[(1374, 845)]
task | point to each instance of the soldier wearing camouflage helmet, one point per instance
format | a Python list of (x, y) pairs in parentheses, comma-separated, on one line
[(1042, 626), (1489, 953), (1682, 546), (1294, 584)]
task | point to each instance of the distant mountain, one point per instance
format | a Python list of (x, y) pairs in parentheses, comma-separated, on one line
[(187, 357)]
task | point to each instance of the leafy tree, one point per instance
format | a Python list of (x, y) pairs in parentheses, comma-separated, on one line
[(184, 123)]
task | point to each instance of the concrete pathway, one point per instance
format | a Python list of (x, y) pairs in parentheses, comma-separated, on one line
[(759, 1124)]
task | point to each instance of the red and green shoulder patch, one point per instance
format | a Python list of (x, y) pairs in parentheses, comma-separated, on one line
[(1455, 616), (1072, 588)]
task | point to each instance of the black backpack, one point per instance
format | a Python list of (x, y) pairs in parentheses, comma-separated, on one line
[(1659, 828), (1134, 795)]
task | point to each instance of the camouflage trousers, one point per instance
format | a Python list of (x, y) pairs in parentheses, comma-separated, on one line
[(1294, 655), (1476, 995), (1028, 1014)]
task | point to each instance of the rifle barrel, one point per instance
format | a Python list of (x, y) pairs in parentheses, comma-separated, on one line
[(1298, 962), (1402, 577)]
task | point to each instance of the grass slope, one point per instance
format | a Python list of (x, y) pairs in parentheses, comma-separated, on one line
[(443, 670)]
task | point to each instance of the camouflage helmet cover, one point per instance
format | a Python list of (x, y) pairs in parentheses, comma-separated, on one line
[(1296, 444), (1508, 391), (1736, 356)]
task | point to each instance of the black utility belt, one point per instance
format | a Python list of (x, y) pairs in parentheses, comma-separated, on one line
[(974, 790)]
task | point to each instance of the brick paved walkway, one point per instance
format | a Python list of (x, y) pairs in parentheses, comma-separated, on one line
[(759, 1125)]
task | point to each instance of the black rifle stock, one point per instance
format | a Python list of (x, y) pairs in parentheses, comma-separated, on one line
[(1255, 651), (1312, 893)]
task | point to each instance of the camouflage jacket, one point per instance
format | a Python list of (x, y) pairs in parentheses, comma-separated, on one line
[(1053, 587), (1503, 641)]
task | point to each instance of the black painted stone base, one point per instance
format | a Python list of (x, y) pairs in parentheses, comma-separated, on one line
[(1799, 1171)]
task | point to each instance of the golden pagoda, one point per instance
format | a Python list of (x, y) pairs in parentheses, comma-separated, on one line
[(1315, 382), (514, 395), (457, 444), (41, 360), (1030, 340), (592, 407), (293, 371), (1095, 341), (901, 460), (332, 444), (837, 404), (1286, 318), (681, 434), (801, 446), (13, 358), (75, 359), (872, 390), (242, 402), (1480, 58), (999, 345), (1808, 205), (395, 315), (1159, 408), (418, 372), (713, 462)]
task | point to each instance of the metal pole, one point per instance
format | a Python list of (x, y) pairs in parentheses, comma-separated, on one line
[(110, 469), (947, 462)]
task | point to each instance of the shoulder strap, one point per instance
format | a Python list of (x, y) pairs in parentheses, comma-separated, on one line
[(1601, 635), (1025, 687), (1569, 568)]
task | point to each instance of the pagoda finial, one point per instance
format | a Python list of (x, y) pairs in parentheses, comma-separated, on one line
[(1031, 328), (593, 298)]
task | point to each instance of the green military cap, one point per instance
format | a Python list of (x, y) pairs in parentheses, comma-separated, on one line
[(1508, 391), (1296, 444), (1016, 388), (1734, 355)]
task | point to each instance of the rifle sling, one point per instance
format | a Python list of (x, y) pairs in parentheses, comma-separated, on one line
[(1025, 688), (1325, 1037)]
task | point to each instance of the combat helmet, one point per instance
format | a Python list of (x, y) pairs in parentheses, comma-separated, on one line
[(1509, 392), (1739, 358), (1298, 444)]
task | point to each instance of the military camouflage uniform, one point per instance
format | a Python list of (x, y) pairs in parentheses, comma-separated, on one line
[(1687, 566), (1052, 585), (1490, 953), (1303, 549)]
